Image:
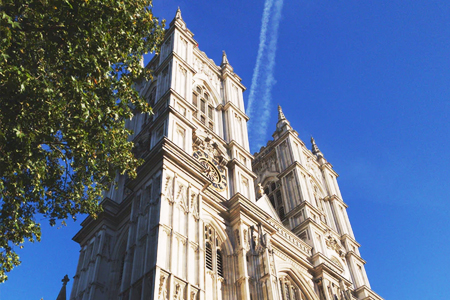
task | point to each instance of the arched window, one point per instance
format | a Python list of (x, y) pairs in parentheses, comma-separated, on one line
[(214, 265), (213, 254), (273, 191), (122, 266), (208, 256), (205, 108), (219, 263), (290, 290), (273, 186), (272, 200)]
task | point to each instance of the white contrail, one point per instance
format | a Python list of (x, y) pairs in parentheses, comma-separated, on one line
[(270, 80), (271, 19), (262, 44)]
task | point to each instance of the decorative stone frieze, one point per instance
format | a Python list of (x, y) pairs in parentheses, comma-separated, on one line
[(334, 244)]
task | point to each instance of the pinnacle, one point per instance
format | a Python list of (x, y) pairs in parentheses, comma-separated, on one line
[(178, 19), (178, 14), (225, 65), (282, 124), (224, 58), (280, 114), (62, 292), (65, 280), (315, 149)]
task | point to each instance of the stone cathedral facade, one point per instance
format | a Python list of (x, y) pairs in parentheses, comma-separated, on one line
[(205, 219)]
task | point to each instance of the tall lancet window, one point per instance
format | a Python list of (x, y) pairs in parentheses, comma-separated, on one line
[(208, 256), (273, 191), (214, 265), (205, 106), (289, 290), (219, 263)]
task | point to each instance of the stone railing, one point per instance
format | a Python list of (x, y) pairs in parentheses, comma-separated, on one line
[(291, 237)]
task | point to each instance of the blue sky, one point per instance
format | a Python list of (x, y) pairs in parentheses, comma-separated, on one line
[(370, 81)]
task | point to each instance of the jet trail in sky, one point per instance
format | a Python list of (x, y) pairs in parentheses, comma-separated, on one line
[(262, 44), (263, 80)]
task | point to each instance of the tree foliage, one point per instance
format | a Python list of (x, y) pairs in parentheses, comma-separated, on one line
[(67, 69)]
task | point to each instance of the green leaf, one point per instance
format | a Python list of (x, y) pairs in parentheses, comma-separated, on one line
[(63, 106)]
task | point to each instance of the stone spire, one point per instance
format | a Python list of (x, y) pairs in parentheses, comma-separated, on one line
[(178, 19), (62, 292), (314, 149), (224, 59), (178, 14), (225, 65), (283, 124), (280, 114)]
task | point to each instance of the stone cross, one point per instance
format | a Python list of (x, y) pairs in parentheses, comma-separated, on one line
[(65, 280)]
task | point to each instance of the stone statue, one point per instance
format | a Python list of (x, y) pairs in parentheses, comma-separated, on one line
[(260, 190)]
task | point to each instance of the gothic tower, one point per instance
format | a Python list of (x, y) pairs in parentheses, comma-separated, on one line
[(197, 223), (301, 185)]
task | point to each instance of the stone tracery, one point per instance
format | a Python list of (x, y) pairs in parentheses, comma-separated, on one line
[(290, 290)]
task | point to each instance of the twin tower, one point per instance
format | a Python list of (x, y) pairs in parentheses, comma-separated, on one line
[(205, 219)]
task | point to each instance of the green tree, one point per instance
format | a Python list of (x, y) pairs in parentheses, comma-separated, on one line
[(67, 70)]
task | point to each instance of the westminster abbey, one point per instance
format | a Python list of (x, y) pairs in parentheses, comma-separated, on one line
[(207, 220)]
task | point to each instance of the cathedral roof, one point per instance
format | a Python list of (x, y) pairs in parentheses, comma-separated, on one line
[(264, 204)]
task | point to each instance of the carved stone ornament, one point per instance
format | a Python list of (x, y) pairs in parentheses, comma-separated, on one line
[(260, 190), (192, 200), (345, 291), (208, 146), (263, 239), (194, 206), (180, 190), (272, 266), (181, 195), (162, 279), (255, 241), (193, 294), (333, 244), (177, 293), (167, 182), (319, 281), (195, 210), (212, 161)]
